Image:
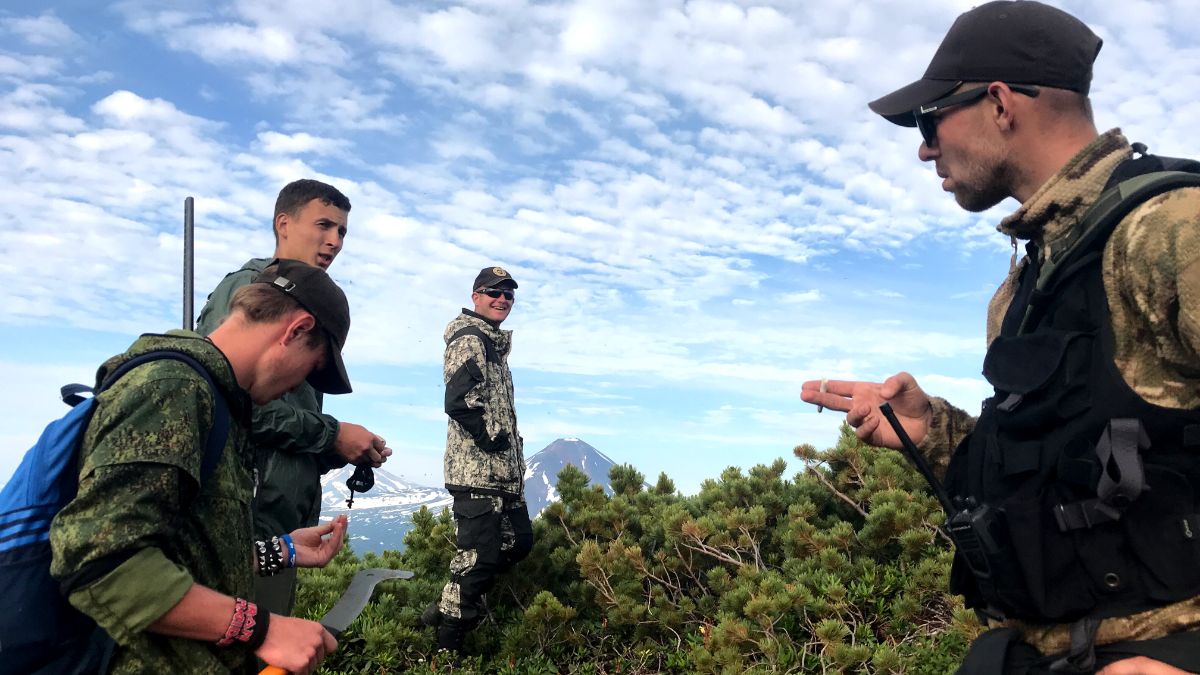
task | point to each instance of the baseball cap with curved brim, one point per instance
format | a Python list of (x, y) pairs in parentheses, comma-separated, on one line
[(493, 277), (320, 296), (1013, 41)]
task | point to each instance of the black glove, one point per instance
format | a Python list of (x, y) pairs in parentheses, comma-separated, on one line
[(495, 445)]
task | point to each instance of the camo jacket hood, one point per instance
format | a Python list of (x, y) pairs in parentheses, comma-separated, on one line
[(484, 451)]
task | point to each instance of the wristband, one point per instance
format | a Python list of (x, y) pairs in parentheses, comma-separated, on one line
[(256, 634), (291, 546), (246, 625), (270, 556)]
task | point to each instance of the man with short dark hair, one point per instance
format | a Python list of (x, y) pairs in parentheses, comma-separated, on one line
[(296, 443), (1074, 509), (159, 553), (485, 460)]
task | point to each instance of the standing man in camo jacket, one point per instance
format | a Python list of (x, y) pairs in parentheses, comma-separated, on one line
[(485, 463), (1073, 492)]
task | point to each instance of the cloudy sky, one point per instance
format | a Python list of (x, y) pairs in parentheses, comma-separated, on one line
[(698, 206)]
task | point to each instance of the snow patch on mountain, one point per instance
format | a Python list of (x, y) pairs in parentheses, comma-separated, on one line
[(382, 516)]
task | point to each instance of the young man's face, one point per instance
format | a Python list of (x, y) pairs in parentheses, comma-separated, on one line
[(287, 368), (314, 234), (494, 309)]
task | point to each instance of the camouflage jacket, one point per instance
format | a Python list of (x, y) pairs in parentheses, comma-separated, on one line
[(291, 438), (142, 529), (484, 452), (1151, 272)]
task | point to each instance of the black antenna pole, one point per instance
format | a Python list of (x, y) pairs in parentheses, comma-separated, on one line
[(189, 249)]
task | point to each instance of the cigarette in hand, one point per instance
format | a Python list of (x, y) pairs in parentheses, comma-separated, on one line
[(824, 385)]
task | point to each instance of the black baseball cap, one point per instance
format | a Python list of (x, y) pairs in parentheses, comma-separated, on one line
[(1014, 41), (493, 277), (320, 296)]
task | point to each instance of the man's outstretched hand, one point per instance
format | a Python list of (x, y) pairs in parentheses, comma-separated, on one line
[(861, 400)]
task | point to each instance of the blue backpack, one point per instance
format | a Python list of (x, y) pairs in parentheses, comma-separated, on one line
[(40, 632)]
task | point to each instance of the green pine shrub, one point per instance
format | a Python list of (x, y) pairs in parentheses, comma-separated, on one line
[(840, 569)]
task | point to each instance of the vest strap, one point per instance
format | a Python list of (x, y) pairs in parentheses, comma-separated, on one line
[(1119, 451), (1081, 657), (1191, 435)]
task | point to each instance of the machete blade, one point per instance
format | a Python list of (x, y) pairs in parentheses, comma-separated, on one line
[(356, 597)]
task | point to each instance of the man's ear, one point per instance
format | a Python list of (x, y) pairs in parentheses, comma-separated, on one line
[(1000, 97), (302, 324), (281, 223)]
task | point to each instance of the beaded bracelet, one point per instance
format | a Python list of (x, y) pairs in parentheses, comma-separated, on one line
[(246, 625), (236, 622), (287, 539), (270, 556)]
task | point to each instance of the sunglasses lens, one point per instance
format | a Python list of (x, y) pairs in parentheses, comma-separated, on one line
[(928, 128), (495, 293)]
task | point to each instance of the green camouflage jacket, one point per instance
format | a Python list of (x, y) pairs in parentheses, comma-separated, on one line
[(291, 438), (484, 452), (142, 530), (1151, 272)]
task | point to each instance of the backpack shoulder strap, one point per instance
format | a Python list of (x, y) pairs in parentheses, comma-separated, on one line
[(1119, 200), (219, 432), (1098, 224), (489, 348)]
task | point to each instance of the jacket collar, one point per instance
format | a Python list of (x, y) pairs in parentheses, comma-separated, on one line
[(1053, 215), (476, 315)]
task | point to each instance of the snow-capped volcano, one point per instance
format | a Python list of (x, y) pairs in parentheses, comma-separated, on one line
[(382, 516), (541, 470)]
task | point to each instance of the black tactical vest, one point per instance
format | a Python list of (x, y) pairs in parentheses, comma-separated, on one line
[(1080, 498)]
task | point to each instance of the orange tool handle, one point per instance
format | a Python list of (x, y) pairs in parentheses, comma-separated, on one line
[(272, 670)]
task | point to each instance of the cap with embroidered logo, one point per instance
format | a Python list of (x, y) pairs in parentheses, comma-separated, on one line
[(493, 277)]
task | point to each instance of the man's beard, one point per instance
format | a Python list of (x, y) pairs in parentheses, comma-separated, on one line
[(981, 185)]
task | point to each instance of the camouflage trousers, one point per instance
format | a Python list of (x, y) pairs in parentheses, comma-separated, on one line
[(493, 534)]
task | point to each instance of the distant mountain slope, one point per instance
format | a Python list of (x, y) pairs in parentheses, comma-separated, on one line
[(541, 470), (381, 517)]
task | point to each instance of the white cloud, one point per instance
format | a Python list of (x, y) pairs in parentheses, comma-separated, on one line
[(693, 195), (460, 38), (804, 296), (27, 66), (46, 30), (275, 143)]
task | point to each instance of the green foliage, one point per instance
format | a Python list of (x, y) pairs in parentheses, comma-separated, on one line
[(842, 568)]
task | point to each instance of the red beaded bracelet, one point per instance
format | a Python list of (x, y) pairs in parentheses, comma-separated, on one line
[(237, 622)]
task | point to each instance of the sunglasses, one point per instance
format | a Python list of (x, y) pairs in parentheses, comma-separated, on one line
[(497, 292), (927, 117)]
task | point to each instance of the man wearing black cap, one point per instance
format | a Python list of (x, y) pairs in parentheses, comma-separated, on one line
[(296, 442), (1074, 508), (485, 460), (157, 550)]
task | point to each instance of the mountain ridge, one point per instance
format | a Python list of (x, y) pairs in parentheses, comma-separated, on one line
[(381, 517)]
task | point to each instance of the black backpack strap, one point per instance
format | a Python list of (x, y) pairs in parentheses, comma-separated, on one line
[(1099, 222), (1145, 163), (73, 394), (489, 348), (219, 432)]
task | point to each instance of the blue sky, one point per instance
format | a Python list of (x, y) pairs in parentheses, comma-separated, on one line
[(698, 206)]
